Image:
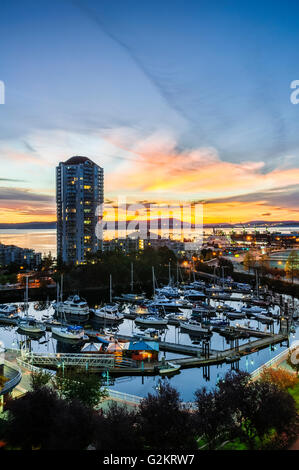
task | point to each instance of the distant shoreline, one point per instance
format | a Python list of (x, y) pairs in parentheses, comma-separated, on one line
[(29, 226), (251, 224)]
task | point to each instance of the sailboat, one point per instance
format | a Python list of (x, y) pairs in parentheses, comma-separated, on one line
[(65, 331), (30, 324), (74, 306), (109, 313), (131, 297)]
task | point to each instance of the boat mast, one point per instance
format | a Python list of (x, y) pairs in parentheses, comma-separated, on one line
[(132, 277), (26, 297), (61, 288), (110, 288), (154, 287), (169, 273)]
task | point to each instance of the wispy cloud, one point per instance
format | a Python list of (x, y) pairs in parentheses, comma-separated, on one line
[(20, 194)]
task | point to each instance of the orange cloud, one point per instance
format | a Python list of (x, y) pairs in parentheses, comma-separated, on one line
[(161, 168)]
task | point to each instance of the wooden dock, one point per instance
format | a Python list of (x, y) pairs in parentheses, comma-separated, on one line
[(215, 356), (119, 366), (221, 356)]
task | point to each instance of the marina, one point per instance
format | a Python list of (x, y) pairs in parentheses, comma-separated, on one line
[(207, 337)]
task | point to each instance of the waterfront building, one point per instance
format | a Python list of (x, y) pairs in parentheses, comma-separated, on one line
[(79, 192), (134, 242), (21, 256)]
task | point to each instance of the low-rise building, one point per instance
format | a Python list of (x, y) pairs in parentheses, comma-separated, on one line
[(21, 256)]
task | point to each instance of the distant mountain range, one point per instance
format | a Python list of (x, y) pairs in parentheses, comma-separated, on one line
[(29, 225), (173, 223)]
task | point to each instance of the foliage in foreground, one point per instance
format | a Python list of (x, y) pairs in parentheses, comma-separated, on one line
[(278, 376), (250, 414), (72, 385)]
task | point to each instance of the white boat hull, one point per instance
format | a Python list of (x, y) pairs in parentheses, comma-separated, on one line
[(32, 329), (143, 321), (65, 334)]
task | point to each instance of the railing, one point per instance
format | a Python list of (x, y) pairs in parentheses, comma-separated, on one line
[(32, 368), (274, 359), (124, 396), (11, 383), (137, 400), (89, 360)]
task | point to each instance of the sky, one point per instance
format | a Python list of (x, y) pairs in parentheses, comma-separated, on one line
[(176, 100)]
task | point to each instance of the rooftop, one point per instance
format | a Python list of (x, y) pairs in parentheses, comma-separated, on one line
[(76, 160)]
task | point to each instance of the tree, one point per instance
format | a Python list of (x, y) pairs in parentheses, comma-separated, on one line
[(249, 261), (228, 265), (118, 430), (42, 420), (264, 263), (256, 407), (39, 379), (293, 359), (211, 417), (164, 422), (282, 378), (47, 262), (292, 265), (80, 385)]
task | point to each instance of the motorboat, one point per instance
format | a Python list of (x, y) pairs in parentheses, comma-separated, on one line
[(218, 322), (8, 309), (151, 320), (253, 309), (168, 305), (263, 318), (222, 295), (109, 313), (8, 312), (176, 317), (193, 294), (225, 308), (195, 285), (214, 289), (132, 297), (169, 368), (30, 324), (68, 332), (149, 334), (141, 310), (75, 306), (203, 312), (168, 291), (195, 327), (235, 315)]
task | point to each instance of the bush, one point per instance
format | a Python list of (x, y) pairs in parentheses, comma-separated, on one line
[(280, 377)]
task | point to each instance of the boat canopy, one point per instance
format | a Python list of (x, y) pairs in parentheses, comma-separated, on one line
[(102, 340), (144, 346), (74, 328), (91, 347)]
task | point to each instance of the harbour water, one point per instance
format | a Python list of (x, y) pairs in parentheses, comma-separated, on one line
[(186, 381)]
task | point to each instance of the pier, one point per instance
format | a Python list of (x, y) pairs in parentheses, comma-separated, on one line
[(120, 365)]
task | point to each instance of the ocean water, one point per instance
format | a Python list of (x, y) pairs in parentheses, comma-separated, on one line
[(44, 240)]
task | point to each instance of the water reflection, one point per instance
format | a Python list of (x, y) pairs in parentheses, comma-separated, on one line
[(186, 381)]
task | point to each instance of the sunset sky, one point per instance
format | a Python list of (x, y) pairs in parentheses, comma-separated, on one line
[(178, 101)]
